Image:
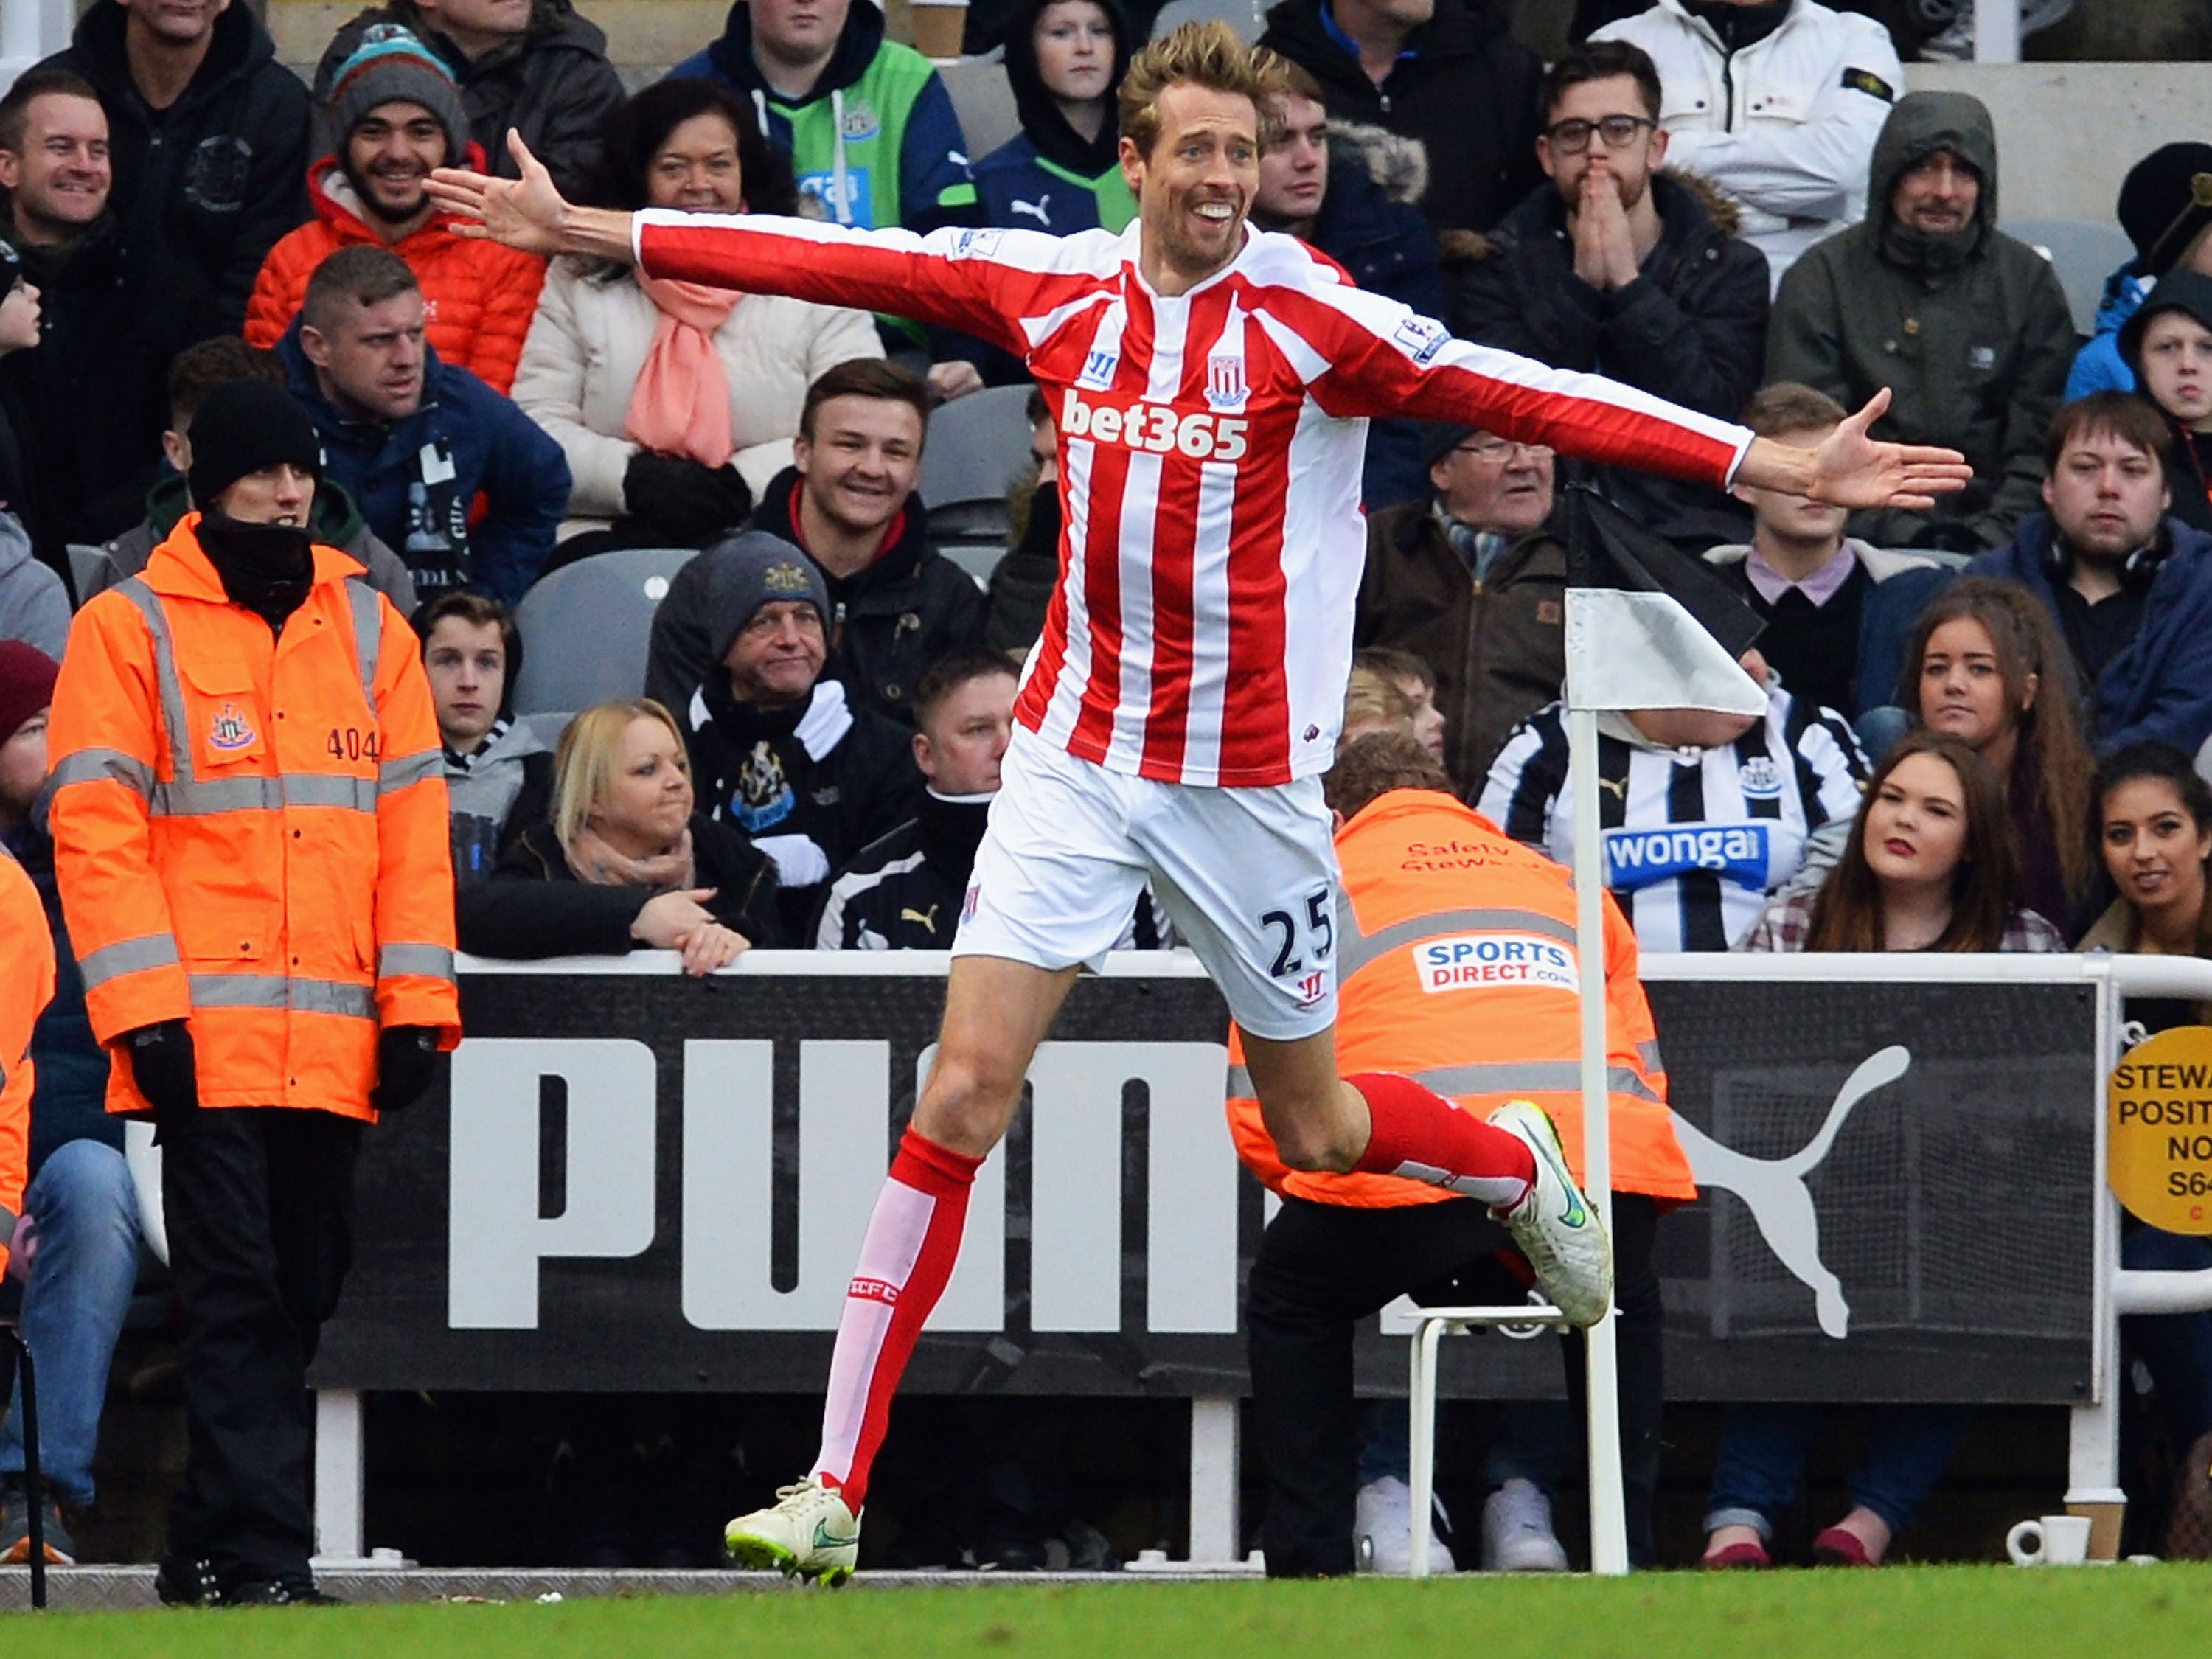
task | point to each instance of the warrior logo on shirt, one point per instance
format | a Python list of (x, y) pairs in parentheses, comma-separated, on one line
[(230, 730), (763, 797)]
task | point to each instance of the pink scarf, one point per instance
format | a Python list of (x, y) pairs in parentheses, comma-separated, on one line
[(681, 404), (598, 865)]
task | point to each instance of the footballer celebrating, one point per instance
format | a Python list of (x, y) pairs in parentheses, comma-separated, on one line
[(1212, 385)]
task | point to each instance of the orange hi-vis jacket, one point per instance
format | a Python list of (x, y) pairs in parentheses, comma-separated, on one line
[(250, 830), (1456, 965), (27, 985)]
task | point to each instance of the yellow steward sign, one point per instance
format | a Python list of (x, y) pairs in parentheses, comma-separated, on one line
[(2160, 1153)]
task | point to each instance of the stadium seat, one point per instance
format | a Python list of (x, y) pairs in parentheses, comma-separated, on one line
[(2082, 251), (586, 626), (978, 444), (982, 101), (1246, 17)]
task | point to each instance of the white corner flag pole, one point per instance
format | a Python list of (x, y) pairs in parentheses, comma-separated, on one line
[(1608, 1506)]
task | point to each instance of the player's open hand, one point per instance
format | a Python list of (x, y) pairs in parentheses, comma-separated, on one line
[(1852, 470), (525, 213)]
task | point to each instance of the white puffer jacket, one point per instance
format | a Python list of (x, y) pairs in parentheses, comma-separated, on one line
[(587, 345), (1786, 127)]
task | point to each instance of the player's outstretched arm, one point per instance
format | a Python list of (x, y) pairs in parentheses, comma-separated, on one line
[(1852, 470), (528, 213)]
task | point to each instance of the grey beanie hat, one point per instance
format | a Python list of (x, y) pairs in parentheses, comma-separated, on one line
[(753, 569), (391, 65)]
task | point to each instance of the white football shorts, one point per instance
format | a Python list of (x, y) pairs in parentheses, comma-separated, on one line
[(1248, 876)]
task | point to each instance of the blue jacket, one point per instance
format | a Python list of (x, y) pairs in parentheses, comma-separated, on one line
[(2160, 687), (1020, 189), (1048, 176), (2097, 366), (1369, 225), (417, 481), (70, 1101), (875, 140)]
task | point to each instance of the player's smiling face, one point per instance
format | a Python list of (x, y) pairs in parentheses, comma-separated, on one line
[(1195, 187)]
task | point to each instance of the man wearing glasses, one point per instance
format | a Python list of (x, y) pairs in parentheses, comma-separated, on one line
[(1612, 265), (1471, 580)]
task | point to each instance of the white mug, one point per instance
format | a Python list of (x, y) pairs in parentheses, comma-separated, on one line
[(2054, 1540)]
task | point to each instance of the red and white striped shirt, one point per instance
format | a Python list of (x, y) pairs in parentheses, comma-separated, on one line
[(1209, 453)]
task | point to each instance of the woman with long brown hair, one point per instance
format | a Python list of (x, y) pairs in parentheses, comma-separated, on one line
[(1930, 866), (1985, 664), (2153, 818), (1932, 863)]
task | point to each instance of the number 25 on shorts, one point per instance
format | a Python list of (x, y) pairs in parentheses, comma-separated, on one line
[(1316, 939)]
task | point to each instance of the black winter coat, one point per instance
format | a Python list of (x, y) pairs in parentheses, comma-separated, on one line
[(554, 86), (1467, 93), (534, 906), (1691, 328), (802, 771), (889, 622), (219, 175), (94, 397)]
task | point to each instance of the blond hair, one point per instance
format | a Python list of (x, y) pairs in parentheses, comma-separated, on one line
[(590, 751), (1373, 703), (1207, 55)]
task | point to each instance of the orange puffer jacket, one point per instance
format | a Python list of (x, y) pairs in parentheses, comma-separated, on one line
[(27, 985), (477, 297)]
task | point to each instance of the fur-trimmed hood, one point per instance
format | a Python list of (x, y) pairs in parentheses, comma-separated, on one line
[(1399, 166)]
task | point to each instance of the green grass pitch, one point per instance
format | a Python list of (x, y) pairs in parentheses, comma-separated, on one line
[(1958, 1612)]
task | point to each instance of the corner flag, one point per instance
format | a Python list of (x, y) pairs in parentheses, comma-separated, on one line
[(1647, 626)]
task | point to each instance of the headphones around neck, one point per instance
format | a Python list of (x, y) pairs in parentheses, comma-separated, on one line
[(2136, 570)]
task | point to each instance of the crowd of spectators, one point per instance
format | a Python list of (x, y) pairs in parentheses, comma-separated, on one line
[(1982, 719)]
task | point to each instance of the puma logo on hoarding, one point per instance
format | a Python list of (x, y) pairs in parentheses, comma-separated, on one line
[(1775, 1192)]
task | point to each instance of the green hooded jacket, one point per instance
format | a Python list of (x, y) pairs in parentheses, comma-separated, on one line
[(1971, 332)]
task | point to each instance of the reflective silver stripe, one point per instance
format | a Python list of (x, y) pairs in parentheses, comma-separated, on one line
[(1648, 1052), (182, 800), (164, 675), (127, 955), (97, 765), (430, 961), (304, 996), (1356, 950), (367, 637), (1511, 1077), (410, 768), (7, 1226), (1528, 1077)]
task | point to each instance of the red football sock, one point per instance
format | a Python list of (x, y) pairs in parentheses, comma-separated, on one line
[(913, 1240), (1419, 1134)]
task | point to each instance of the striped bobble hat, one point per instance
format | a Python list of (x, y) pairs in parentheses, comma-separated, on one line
[(392, 65)]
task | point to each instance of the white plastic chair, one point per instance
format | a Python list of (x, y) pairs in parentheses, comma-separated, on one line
[(1431, 1327)]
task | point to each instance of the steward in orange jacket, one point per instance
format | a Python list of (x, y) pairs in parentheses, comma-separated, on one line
[(1457, 965), (27, 985), (251, 841)]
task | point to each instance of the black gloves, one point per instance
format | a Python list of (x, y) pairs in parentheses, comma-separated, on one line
[(406, 1065), (682, 499), (161, 1065)]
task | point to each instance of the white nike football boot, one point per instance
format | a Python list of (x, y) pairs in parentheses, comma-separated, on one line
[(810, 1534), (1553, 1226)]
